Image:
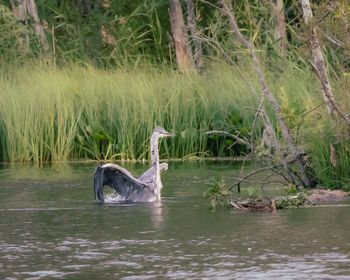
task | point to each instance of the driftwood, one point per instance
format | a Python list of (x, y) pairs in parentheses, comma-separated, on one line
[(267, 204), (301, 199), (254, 204), (320, 196)]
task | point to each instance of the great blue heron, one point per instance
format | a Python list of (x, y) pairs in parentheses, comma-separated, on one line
[(146, 188)]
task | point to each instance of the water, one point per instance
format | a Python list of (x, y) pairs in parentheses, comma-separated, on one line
[(50, 228)]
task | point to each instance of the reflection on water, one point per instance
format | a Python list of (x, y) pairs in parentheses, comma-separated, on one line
[(52, 229)]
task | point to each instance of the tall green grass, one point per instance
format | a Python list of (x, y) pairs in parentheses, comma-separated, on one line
[(80, 112), (53, 114), (333, 176)]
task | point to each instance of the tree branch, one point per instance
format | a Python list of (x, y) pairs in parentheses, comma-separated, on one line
[(320, 67), (292, 150), (254, 172), (238, 139)]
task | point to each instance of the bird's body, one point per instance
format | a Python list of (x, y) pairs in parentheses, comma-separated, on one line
[(146, 188)]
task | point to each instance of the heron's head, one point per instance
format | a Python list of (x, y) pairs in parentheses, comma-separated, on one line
[(160, 132)]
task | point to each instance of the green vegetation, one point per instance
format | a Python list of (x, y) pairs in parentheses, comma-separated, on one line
[(289, 201), (56, 114), (333, 176), (218, 194), (49, 113), (109, 78)]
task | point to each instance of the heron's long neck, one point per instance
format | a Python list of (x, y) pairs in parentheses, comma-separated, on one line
[(155, 163)]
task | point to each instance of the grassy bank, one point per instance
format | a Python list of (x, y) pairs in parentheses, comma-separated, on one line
[(80, 112)]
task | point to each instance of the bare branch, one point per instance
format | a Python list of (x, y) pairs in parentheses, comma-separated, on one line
[(320, 66), (334, 41), (254, 172), (191, 22), (292, 150), (238, 139)]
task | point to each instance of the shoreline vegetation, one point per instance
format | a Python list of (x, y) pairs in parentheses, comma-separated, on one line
[(51, 113), (89, 80), (221, 196), (186, 158), (313, 198)]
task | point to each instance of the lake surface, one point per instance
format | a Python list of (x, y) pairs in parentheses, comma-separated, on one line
[(51, 228)]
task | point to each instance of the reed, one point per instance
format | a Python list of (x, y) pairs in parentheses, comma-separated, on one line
[(55, 114), (331, 161), (49, 113)]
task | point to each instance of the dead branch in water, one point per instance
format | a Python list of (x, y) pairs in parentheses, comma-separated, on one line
[(250, 174), (294, 152), (258, 205)]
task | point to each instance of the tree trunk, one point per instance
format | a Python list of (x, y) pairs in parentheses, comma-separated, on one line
[(280, 25), (293, 151), (320, 67), (38, 27), (179, 36), (191, 23), (22, 11)]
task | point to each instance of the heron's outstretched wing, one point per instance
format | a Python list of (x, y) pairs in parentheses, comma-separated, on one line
[(128, 187), (148, 176)]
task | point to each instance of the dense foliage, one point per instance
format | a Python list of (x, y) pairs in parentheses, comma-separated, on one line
[(126, 81), (111, 33)]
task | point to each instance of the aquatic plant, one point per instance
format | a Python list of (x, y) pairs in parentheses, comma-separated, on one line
[(290, 189), (291, 201), (218, 194)]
